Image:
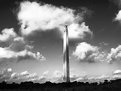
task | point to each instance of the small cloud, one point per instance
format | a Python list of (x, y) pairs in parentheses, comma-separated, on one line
[(74, 77), (82, 50), (6, 74), (78, 31), (117, 72), (25, 54), (18, 45), (115, 54), (88, 53), (57, 74), (118, 16), (13, 75), (57, 77), (21, 55), (19, 39), (25, 73), (45, 74), (6, 53), (7, 34), (44, 77), (102, 77)]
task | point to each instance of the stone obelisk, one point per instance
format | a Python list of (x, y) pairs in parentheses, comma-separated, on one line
[(66, 55)]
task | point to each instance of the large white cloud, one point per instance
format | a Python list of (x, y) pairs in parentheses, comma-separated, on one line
[(89, 53), (35, 16), (83, 49), (9, 76), (117, 74)]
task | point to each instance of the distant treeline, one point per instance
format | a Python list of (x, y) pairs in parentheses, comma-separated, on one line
[(114, 85)]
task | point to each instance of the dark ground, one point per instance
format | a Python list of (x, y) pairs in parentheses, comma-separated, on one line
[(114, 85)]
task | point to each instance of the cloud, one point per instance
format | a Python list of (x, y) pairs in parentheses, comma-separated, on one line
[(93, 78), (19, 39), (25, 73), (88, 53), (57, 77), (118, 16), (21, 55), (7, 34), (102, 77), (83, 49), (18, 48), (45, 75), (115, 54), (9, 76), (78, 31), (5, 74), (57, 74), (26, 76), (18, 45), (35, 16), (25, 54), (117, 74)]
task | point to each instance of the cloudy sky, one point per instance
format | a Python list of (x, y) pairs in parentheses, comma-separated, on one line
[(31, 37)]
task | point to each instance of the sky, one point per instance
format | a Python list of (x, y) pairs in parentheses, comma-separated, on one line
[(31, 39)]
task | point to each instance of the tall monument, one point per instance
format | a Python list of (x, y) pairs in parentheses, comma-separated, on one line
[(66, 55)]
